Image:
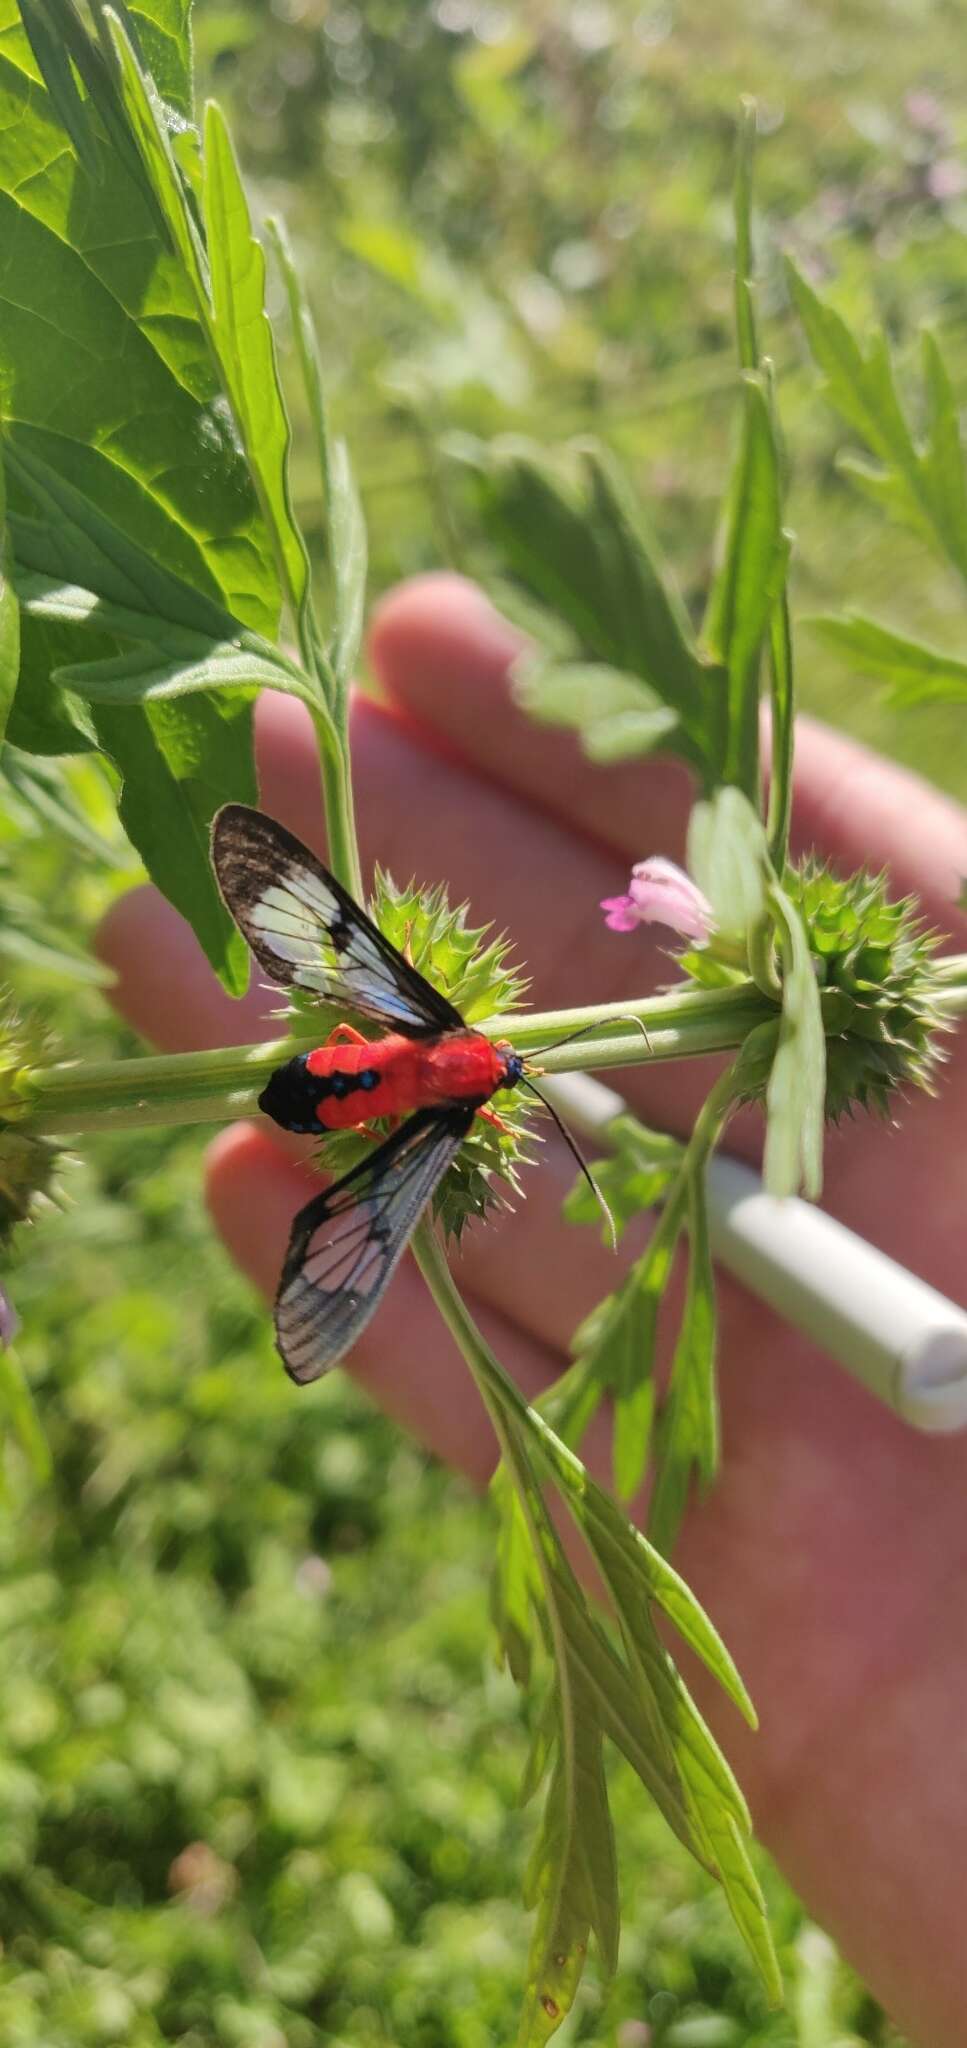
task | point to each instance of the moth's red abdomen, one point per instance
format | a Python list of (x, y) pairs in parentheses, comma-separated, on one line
[(353, 1083)]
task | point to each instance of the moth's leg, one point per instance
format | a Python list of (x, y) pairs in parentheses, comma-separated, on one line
[(490, 1117), (346, 1034)]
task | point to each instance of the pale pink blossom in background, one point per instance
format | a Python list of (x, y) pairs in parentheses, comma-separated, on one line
[(660, 893), (9, 1320)]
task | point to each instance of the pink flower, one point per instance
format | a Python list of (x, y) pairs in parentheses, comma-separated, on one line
[(660, 893), (9, 1320)]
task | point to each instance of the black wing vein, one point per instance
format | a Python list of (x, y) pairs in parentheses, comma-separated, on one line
[(305, 929), (347, 1242)]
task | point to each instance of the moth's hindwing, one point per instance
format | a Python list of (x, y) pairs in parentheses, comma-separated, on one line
[(346, 1243)]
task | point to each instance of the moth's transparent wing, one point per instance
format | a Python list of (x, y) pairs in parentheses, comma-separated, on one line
[(346, 1243), (305, 929)]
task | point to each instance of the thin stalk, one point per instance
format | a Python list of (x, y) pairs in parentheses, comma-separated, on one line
[(168, 1088), (340, 816)]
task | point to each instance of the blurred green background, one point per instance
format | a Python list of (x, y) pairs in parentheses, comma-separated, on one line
[(257, 1773)]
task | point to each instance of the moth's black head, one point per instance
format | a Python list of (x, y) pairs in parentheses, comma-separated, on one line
[(290, 1097), (514, 1064)]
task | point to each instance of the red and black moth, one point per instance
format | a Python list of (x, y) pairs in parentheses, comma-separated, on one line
[(430, 1067)]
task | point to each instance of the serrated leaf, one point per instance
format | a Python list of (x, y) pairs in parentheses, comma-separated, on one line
[(103, 361), (617, 715), (923, 487), (688, 1433), (9, 622), (754, 557), (916, 672), (796, 1093), (179, 762), (512, 1583), (573, 539), (245, 346)]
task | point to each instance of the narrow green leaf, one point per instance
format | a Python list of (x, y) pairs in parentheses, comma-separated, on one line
[(754, 556), (512, 1585), (783, 703), (149, 129), (346, 527), (347, 561), (16, 1398), (728, 857), (245, 346), (916, 672), (745, 324), (688, 1432), (796, 1093), (9, 621), (944, 457), (54, 62), (608, 1530)]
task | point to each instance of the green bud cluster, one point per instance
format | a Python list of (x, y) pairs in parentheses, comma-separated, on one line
[(27, 1163), (875, 962)]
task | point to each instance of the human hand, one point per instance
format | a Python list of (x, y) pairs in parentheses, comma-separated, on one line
[(829, 1552)]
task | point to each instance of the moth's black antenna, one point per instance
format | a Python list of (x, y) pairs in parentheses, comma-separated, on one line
[(582, 1032), (582, 1162)]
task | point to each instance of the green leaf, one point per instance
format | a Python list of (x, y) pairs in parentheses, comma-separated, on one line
[(347, 561), (754, 557), (916, 672), (513, 1582), (745, 324), (105, 368), (573, 539), (925, 487), (245, 347), (9, 622), (796, 1093), (783, 705), (17, 1399), (632, 1178), (179, 762), (688, 1431), (617, 715), (728, 857)]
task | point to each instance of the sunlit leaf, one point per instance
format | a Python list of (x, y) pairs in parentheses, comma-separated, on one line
[(754, 556), (796, 1095), (916, 672)]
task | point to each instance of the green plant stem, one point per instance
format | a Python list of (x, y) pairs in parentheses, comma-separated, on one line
[(338, 793), (214, 1087)]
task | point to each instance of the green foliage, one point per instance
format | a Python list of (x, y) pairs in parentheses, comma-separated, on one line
[(915, 673), (624, 661), (922, 484)]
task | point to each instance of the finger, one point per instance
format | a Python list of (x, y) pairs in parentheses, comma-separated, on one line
[(164, 986), (405, 1358), (444, 655)]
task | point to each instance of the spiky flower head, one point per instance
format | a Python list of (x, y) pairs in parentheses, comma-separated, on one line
[(474, 971), (875, 964), (26, 1163), (879, 955)]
